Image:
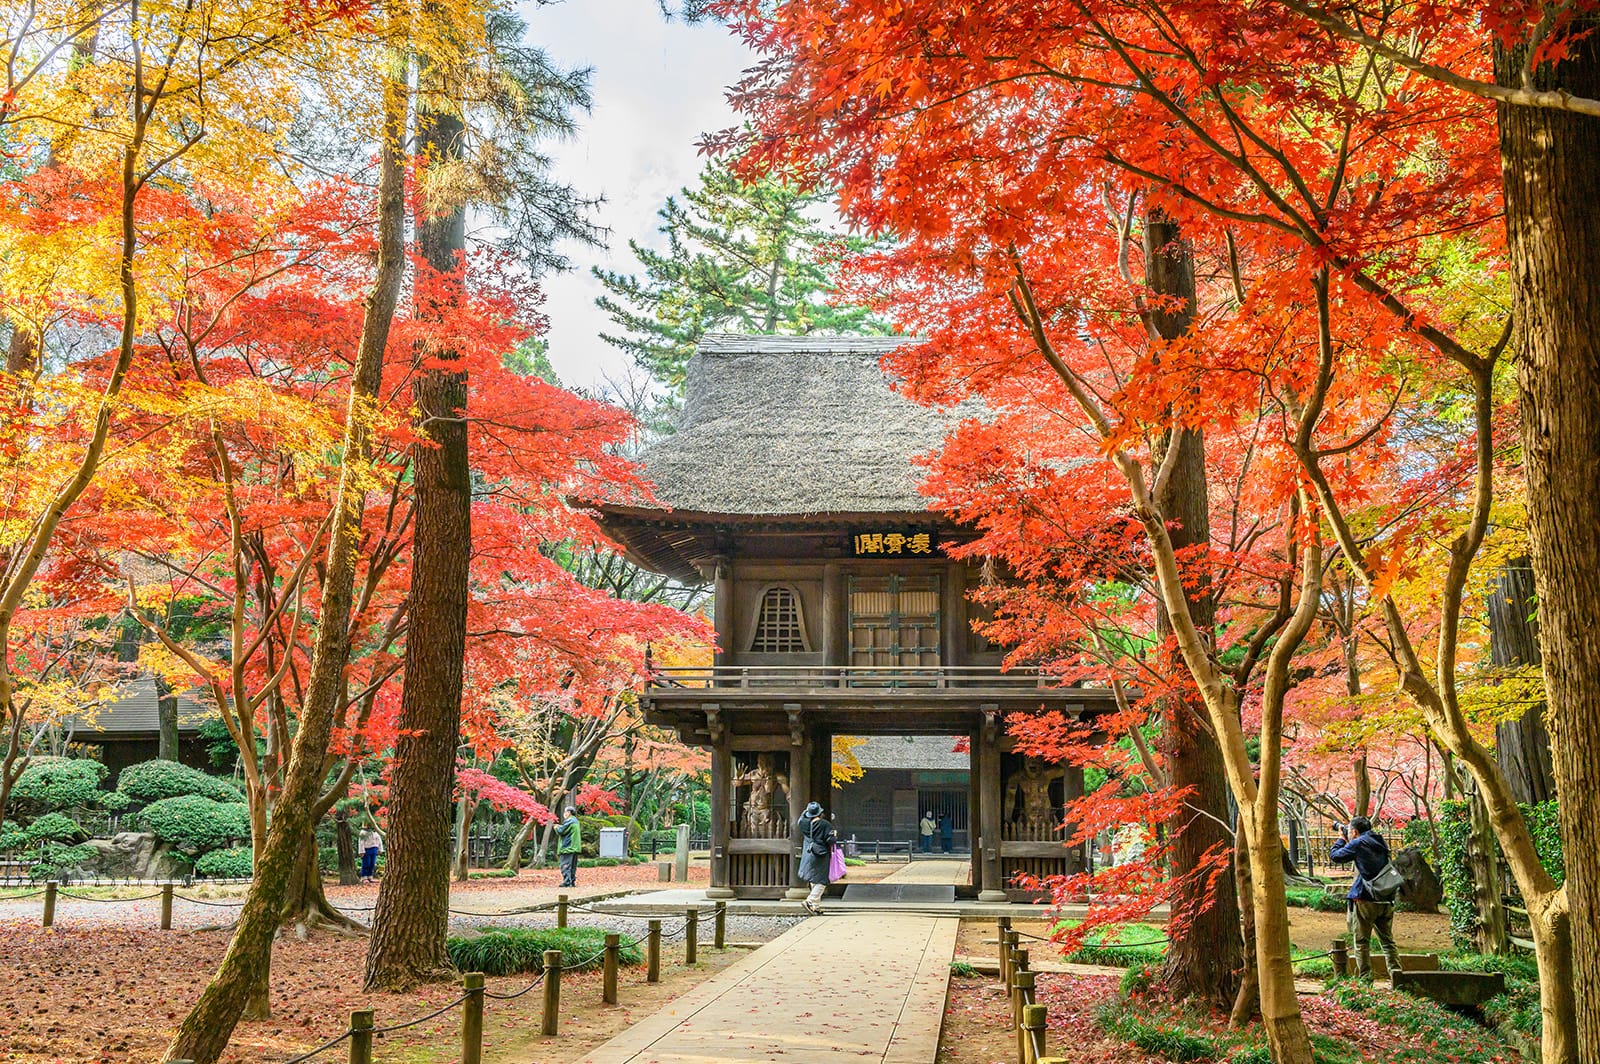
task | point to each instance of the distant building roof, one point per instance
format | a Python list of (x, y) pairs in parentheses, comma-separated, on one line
[(933, 753), (794, 425), (134, 712)]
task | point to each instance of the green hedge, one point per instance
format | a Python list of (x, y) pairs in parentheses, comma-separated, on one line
[(1455, 825), (512, 950), (152, 781), (51, 784), (591, 831), (196, 824), (235, 863)]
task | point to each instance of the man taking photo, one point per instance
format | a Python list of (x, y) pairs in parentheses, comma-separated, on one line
[(1370, 904)]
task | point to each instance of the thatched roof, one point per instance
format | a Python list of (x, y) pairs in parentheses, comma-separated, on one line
[(793, 426)]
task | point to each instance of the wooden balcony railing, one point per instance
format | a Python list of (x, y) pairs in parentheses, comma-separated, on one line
[(850, 677)]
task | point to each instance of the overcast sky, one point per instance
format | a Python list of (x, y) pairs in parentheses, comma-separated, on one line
[(657, 87)]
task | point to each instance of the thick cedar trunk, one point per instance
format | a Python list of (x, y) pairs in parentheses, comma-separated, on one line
[(1521, 746), (1204, 960), (1552, 186), (412, 916), (204, 1033)]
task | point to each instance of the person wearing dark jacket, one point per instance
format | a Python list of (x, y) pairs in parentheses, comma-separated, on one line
[(1364, 911), (816, 852), (569, 844)]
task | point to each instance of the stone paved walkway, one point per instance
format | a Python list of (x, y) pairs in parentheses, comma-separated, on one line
[(953, 873), (849, 987)]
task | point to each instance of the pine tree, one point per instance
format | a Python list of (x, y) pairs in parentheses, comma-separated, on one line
[(740, 257)]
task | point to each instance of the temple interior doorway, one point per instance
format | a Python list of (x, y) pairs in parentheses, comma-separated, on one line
[(905, 777)]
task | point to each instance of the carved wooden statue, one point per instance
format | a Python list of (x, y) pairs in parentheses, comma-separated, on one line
[(768, 788), (1028, 794)]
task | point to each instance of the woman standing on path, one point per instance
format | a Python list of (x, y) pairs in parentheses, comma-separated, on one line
[(815, 853), (371, 846)]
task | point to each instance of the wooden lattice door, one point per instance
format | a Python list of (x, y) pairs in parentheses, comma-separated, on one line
[(894, 620)]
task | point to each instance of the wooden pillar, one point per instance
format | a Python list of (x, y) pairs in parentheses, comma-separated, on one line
[(722, 609), (721, 810), (953, 620), (987, 767), (975, 805), (1072, 789), (822, 770), (800, 790), (835, 616)]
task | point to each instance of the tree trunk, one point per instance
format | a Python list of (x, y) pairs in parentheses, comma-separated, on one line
[(1204, 961), (204, 1033), (166, 722), (1287, 1036), (463, 860), (1553, 237), (1247, 1003), (1483, 859), (1521, 746), (520, 840), (344, 839), (412, 916)]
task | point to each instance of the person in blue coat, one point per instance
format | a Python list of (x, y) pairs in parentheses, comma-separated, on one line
[(1365, 912), (817, 839)]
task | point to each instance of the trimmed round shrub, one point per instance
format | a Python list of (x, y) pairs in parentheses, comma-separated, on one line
[(50, 784), (113, 801), (152, 781), (54, 858), (236, 863), (12, 837), (196, 824), (55, 827)]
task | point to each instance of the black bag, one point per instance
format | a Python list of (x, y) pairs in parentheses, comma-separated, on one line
[(1385, 887)]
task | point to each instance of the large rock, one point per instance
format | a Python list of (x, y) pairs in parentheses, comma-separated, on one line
[(133, 855), (1422, 891)]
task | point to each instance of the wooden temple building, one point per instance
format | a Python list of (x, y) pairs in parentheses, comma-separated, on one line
[(790, 486)]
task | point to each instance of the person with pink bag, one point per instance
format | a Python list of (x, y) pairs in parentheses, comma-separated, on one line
[(819, 852)]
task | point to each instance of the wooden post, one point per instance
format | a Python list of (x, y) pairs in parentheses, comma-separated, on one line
[(1019, 959), (1002, 925), (721, 781), (1340, 955), (552, 992), (986, 767), (691, 936), (361, 1025), (472, 1019), (1035, 1021), (608, 991), (49, 902), (561, 910), (720, 941), (652, 953), (799, 785), (166, 906), (1021, 999)]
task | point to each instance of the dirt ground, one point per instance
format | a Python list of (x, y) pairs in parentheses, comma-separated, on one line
[(111, 989), (114, 995)]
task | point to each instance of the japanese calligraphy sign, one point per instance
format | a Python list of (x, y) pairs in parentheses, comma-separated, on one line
[(892, 544)]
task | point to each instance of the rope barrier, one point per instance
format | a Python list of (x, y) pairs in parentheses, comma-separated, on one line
[(106, 901), (516, 994), (323, 1048), (420, 1019), (213, 904)]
